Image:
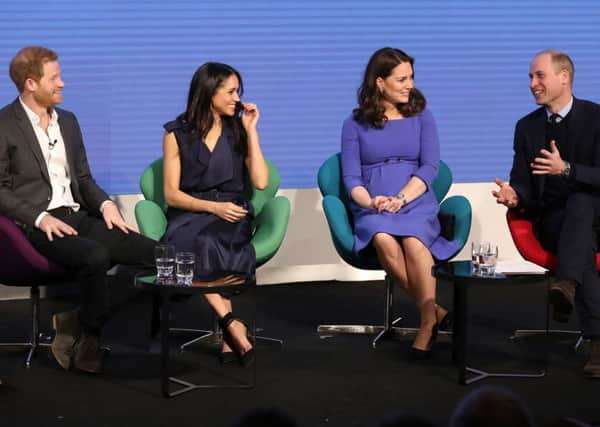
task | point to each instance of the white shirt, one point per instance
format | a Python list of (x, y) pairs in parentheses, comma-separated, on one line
[(55, 156), (562, 113)]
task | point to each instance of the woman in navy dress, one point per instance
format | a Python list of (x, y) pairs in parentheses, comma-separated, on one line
[(390, 155), (210, 152)]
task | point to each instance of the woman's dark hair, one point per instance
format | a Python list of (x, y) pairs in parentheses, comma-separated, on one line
[(205, 82), (370, 109)]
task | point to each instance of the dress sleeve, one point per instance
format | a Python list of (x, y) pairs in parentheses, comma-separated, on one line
[(351, 165), (429, 157), (172, 125)]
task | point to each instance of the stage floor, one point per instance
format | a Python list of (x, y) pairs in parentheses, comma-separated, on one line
[(320, 381)]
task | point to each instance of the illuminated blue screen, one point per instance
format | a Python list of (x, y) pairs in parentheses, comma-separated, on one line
[(127, 65)]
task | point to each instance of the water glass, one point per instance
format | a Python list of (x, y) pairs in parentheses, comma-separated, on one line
[(184, 268), (488, 257), (164, 256), (475, 256)]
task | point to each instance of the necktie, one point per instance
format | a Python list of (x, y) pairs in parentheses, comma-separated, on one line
[(554, 118)]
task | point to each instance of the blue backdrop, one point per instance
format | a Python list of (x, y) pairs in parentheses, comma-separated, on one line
[(127, 65)]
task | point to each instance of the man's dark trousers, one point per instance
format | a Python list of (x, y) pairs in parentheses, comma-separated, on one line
[(570, 231), (89, 255)]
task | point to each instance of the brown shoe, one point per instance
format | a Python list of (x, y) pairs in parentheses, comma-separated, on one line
[(591, 369), (89, 356), (562, 297), (67, 330)]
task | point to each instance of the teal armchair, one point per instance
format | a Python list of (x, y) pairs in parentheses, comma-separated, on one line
[(271, 212), (336, 205)]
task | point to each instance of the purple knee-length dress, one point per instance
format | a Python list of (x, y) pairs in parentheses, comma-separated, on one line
[(383, 161)]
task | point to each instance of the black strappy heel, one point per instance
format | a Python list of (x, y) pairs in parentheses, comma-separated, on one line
[(247, 358)]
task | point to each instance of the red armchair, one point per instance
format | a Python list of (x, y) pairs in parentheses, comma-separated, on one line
[(521, 231)]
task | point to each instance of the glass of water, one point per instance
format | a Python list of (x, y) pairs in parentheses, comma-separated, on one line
[(475, 257), (184, 268), (164, 256), (488, 257)]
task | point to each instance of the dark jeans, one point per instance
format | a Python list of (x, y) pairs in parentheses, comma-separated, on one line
[(89, 255), (572, 233)]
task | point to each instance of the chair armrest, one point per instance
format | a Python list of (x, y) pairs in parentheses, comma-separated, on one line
[(270, 228), (258, 198), (460, 208), (151, 219), (521, 231)]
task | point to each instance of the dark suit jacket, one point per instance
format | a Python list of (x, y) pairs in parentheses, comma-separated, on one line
[(582, 151), (25, 189)]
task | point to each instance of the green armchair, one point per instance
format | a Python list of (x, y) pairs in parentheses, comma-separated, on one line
[(272, 214)]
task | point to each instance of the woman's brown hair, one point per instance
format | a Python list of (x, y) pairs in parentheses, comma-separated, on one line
[(370, 109)]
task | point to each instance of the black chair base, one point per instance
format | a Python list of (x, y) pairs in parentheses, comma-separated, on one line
[(382, 331), (207, 335), (37, 339), (32, 345), (214, 337)]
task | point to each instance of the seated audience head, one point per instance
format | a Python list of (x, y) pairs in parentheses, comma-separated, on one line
[(491, 406)]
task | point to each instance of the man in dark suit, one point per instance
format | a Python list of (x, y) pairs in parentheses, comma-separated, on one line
[(47, 188), (555, 177)]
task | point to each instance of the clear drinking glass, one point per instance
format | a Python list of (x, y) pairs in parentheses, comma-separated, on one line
[(164, 256), (184, 268), (475, 256), (488, 257)]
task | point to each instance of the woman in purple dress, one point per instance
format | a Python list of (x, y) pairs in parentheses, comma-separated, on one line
[(390, 156), (209, 154)]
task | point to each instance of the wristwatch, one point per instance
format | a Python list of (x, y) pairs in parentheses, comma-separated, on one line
[(402, 198), (566, 172)]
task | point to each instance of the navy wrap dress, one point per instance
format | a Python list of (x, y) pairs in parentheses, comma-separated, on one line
[(220, 175)]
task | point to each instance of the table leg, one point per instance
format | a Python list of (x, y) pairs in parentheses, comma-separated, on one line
[(164, 341), (459, 339), (460, 345), (155, 316), (154, 343), (547, 300)]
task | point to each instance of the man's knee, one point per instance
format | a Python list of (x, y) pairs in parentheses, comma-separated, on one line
[(143, 249), (581, 211), (581, 204), (97, 260)]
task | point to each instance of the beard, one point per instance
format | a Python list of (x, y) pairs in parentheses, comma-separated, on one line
[(47, 99)]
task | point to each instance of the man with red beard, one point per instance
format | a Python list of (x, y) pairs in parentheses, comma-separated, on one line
[(47, 188), (555, 177)]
